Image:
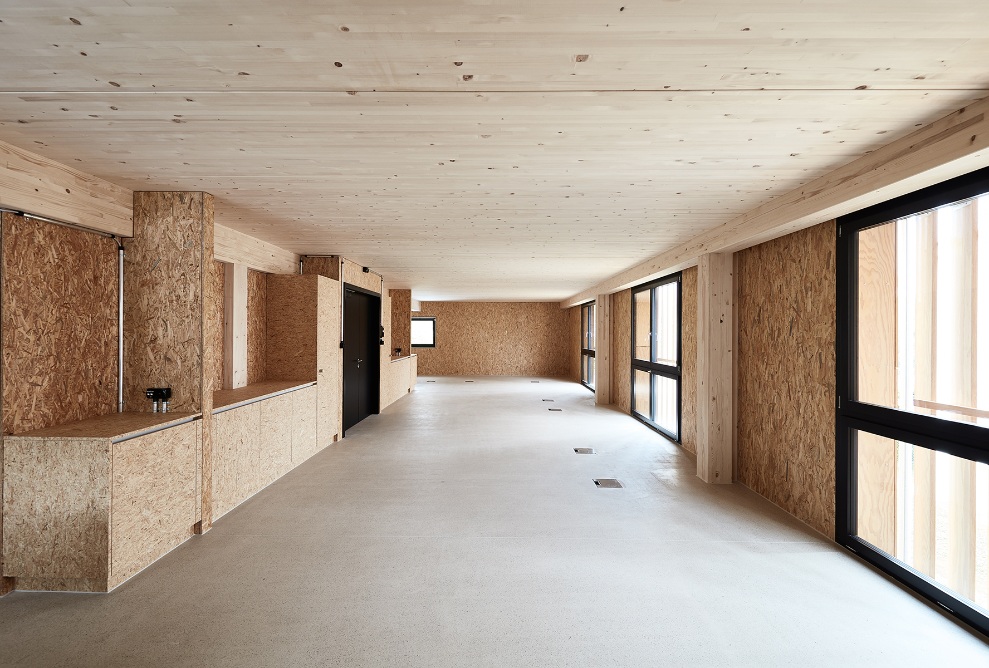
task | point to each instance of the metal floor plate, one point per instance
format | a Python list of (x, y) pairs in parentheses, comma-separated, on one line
[(584, 451), (610, 483)]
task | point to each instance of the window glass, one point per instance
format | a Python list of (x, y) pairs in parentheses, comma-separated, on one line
[(424, 332)]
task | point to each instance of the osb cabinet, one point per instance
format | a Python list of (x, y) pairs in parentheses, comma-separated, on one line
[(89, 504)]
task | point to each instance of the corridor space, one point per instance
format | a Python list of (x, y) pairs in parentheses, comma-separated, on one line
[(460, 528)]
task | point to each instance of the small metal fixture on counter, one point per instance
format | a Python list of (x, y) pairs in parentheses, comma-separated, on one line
[(159, 397)]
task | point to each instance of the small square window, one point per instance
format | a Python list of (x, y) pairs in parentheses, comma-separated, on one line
[(423, 332)]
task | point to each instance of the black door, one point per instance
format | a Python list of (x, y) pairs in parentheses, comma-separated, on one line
[(361, 361)]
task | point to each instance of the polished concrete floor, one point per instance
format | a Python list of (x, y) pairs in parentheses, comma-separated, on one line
[(459, 528)]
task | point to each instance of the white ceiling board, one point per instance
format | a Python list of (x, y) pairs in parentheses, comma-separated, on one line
[(527, 171)]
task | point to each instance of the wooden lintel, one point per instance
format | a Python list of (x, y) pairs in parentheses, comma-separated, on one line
[(236, 247), (33, 184)]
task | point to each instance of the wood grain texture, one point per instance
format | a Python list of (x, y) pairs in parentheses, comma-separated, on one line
[(603, 358), (304, 424), (59, 313), (234, 326), (786, 373), (112, 426), (497, 339), (354, 274), (38, 185), (236, 247), (573, 342), (329, 358), (56, 507), (688, 359), (163, 300), (257, 328), (213, 322), (210, 310), (277, 421), (153, 506), (715, 365), (328, 266), (401, 322), (292, 314), (621, 350), (251, 393), (236, 456), (398, 380)]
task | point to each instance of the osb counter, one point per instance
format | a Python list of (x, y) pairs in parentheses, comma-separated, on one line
[(89, 504), (224, 400)]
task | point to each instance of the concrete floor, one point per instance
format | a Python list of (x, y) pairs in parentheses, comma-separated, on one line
[(459, 528)]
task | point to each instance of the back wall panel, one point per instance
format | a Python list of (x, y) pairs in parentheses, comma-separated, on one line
[(497, 339)]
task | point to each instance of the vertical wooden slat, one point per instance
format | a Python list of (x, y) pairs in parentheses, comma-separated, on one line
[(209, 311), (234, 326), (602, 354)]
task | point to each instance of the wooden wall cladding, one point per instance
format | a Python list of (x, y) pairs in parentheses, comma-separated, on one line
[(213, 299), (621, 350), (354, 274), (322, 266), (786, 373), (401, 322), (153, 509), (163, 299), (70, 479), (211, 320), (59, 313), (256, 444), (329, 359), (497, 339), (257, 331), (398, 379), (688, 355), (292, 322), (238, 248)]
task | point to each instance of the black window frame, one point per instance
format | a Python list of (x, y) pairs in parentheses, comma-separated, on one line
[(431, 318), (587, 352), (673, 372), (966, 441)]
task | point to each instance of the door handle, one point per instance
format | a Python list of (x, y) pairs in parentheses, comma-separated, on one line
[(358, 360)]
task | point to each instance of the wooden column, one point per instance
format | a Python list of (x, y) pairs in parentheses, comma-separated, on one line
[(602, 353), (234, 326), (715, 338), (401, 321), (169, 308)]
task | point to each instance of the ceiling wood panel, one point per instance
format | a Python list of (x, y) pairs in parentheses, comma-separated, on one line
[(484, 150)]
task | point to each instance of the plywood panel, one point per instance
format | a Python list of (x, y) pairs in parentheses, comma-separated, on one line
[(329, 357), (277, 416), (38, 185), (401, 322), (163, 293), (236, 457), (209, 315), (786, 373), (497, 339), (257, 333), (328, 266), (291, 348), (688, 357), (304, 420), (56, 508), (236, 247), (59, 313), (153, 505), (398, 380), (621, 350)]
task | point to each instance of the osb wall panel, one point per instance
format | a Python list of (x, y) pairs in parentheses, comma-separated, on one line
[(497, 339), (59, 313), (398, 380), (257, 332), (276, 415), (322, 266), (236, 455), (304, 421), (163, 300), (688, 357), (401, 322), (213, 298), (786, 373), (329, 358), (291, 346), (154, 503), (56, 508), (621, 350)]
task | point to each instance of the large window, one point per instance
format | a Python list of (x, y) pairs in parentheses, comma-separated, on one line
[(913, 391), (423, 332), (587, 360), (656, 355)]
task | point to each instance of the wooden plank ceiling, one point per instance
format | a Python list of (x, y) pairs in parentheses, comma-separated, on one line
[(485, 150)]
